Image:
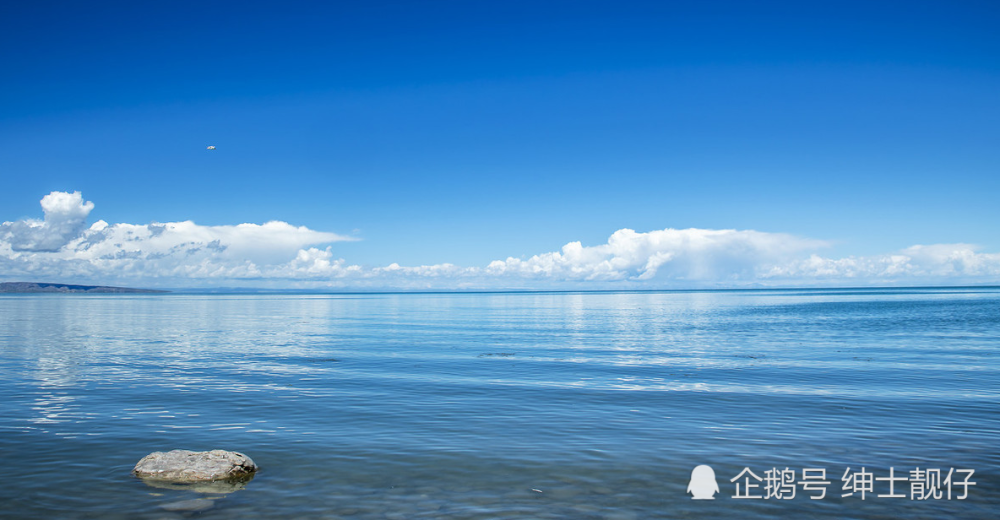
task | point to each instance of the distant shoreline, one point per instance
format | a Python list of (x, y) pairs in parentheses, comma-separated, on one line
[(33, 287)]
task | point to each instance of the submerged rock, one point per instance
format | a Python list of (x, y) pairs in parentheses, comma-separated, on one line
[(183, 466), (197, 504)]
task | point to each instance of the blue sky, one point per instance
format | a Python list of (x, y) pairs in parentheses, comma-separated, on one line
[(466, 133)]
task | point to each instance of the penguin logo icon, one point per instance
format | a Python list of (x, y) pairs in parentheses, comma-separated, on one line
[(703, 485)]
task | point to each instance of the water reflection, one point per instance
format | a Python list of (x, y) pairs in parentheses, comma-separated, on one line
[(209, 487)]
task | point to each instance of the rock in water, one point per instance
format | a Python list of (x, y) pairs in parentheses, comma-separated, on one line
[(195, 466)]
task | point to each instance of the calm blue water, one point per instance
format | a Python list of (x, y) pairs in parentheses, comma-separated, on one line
[(594, 405)]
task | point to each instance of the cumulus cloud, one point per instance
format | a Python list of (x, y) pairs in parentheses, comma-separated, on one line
[(65, 217), (666, 258), (734, 258), (185, 254), (958, 262), (680, 254), (62, 247)]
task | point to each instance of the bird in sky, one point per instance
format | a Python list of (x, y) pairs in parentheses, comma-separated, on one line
[(211, 147)]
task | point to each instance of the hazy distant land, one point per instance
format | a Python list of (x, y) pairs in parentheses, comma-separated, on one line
[(32, 287)]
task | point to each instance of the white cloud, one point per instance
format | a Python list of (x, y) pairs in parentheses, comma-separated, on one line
[(278, 254), (958, 262), (679, 254), (65, 217), (63, 248), (705, 257)]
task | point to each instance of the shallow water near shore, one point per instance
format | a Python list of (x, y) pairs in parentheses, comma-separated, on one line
[(501, 405)]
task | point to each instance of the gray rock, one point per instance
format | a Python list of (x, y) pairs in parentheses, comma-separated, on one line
[(192, 466)]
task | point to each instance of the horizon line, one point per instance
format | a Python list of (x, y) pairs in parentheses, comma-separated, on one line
[(252, 290)]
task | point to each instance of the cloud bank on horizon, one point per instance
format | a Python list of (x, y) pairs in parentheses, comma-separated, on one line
[(62, 248)]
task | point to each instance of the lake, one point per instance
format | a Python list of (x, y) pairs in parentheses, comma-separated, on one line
[(507, 405)]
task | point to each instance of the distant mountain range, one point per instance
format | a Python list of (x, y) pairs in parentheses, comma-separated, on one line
[(32, 287)]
